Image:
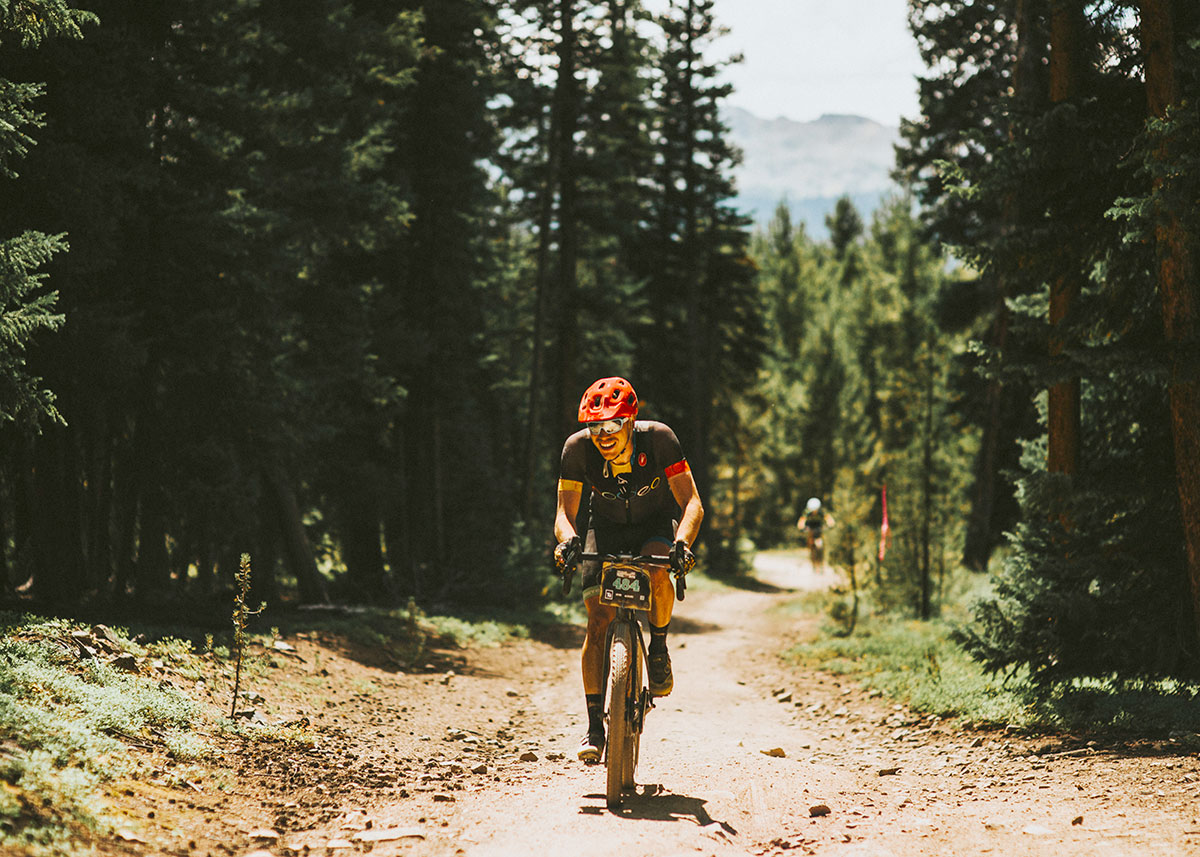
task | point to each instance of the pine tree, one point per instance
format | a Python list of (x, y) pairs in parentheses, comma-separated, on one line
[(986, 70), (859, 400), (1096, 585), (1170, 78), (234, 170), (771, 464), (435, 342), (26, 308), (707, 335)]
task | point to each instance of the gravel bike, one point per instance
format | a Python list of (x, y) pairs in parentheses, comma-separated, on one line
[(625, 585)]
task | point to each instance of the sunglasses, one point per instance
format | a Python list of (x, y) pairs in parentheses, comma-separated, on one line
[(607, 426)]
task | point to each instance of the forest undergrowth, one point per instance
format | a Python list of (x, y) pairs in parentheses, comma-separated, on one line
[(921, 664)]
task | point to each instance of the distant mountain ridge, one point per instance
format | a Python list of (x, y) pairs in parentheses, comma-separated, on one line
[(811, 164)]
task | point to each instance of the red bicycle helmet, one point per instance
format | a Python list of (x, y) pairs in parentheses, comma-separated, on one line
[(607, 399)]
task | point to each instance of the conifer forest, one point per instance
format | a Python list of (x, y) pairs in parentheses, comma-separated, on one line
[(322, 283)]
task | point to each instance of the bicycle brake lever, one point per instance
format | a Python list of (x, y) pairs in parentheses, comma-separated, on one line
[(680, 586)]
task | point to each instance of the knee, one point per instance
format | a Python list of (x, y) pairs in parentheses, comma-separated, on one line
[(599, 618)]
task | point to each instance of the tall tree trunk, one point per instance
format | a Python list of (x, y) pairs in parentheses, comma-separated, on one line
[(437, 489), (5, 496), (100, 505), (927, 492), (699, 375), (265, 548), (399, 524), (1063, 417), (1179, 289), (24, 514), (541, 311), (59, 568), (980, 540), (295, 540), (153, 569), (358, 512), (566, 95), (127, 482), (981, 536)]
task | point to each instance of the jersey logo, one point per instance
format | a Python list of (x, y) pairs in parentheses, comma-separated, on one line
[(642, 460), (646, 489)]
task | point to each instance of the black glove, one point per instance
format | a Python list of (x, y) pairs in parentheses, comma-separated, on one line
[(682, 558), (566, 555)]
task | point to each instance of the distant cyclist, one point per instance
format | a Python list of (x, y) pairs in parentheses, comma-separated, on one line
[(813, 524), (643, 501)]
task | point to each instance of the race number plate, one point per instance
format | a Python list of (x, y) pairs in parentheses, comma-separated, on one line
[(624, 586)]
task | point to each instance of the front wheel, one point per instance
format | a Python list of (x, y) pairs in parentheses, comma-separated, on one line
[(621, 747)]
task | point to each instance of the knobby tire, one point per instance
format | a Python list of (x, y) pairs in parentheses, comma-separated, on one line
[(619, 757), (637, 667)]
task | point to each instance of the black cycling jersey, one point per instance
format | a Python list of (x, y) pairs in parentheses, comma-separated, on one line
[(641, 492)]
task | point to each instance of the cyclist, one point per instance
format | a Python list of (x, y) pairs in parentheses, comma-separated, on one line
[(813, 523), (643, 501)]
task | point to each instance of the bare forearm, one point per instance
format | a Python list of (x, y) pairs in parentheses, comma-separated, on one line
[(689, 521), (564, 517), (563, 528)]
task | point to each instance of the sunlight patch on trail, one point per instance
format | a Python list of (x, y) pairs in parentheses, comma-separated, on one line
[(792, 570)]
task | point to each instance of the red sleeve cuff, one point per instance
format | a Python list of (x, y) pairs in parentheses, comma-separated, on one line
[(677, 468)]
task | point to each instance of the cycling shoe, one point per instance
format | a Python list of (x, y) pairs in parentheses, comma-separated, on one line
[(592, 747), (661, 681)]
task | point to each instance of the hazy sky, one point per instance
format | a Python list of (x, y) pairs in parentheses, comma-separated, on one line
[(804, 58)]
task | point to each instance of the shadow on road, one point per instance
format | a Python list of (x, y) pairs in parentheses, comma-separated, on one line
[(559, 635), (753, 584), (654, 803)]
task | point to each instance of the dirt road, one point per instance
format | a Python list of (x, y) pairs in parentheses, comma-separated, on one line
[(747, 756), (732, 765)]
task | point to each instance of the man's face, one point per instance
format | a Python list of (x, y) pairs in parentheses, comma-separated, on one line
[(612, 444)]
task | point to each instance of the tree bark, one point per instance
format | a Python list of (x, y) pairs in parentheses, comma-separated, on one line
[(1063, 417), (100, 506), (5, 583), (982, 535), (59, 566), (927, 492), (1178, 289), (295, 541), (126, 485), (152, 572), (359, 527), (541, 310), (699, 376), (566, 95), (398, 524)]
